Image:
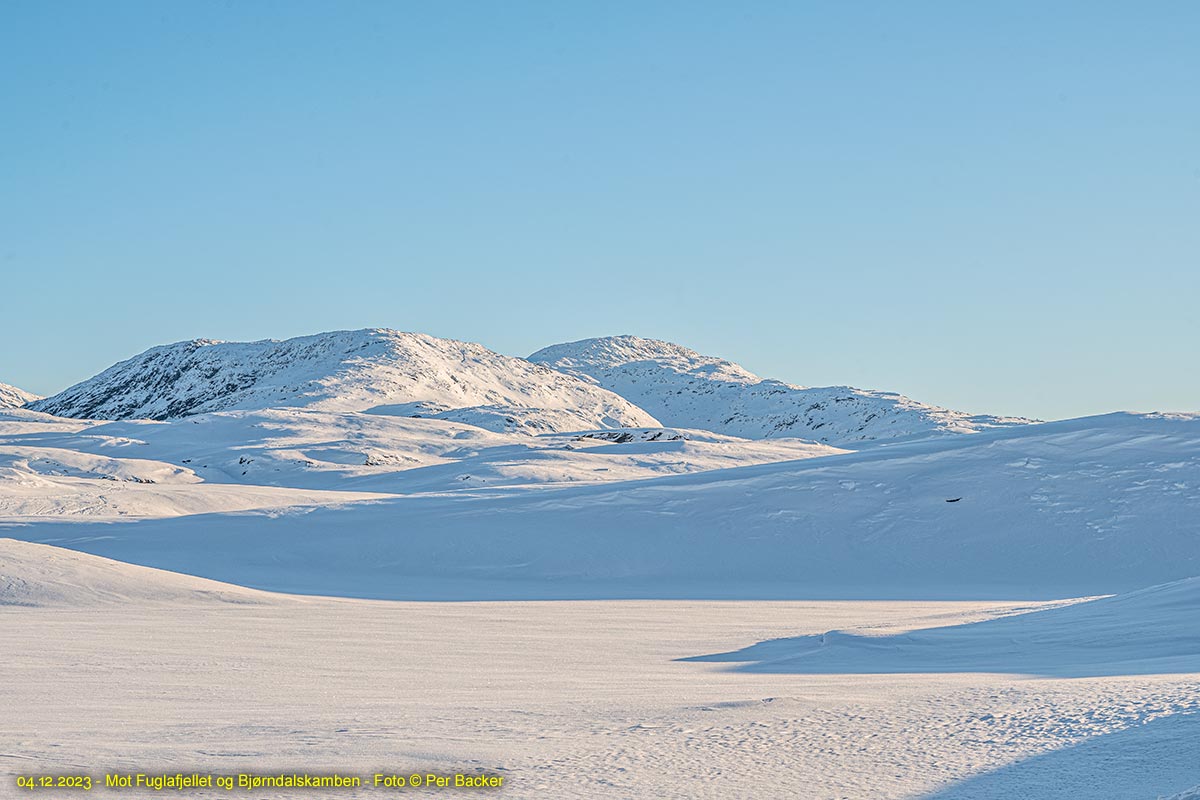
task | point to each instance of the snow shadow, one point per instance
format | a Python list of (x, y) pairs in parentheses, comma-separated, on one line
[(1151, 631), (1159, 758)]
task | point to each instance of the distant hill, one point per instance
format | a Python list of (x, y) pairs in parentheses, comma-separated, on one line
[(684, 388)]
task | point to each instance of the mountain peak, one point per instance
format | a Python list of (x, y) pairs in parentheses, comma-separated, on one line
[(687, 389), (12, 397), (608, 352), (376, 369)]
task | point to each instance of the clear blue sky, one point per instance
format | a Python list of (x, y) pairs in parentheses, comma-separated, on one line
[(991, 206)]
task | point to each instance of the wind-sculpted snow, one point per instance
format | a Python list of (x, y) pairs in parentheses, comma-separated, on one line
[(684, 388), (346, 371), (1148, 631), (12, 397)]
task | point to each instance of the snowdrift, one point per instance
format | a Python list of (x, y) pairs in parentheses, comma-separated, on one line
[(1148, 631), (34, 575)]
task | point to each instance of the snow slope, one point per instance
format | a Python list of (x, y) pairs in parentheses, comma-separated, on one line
[(1065, 509), (12, 397), (35, 575), (408, 374), (1148, 631), (684, 388)]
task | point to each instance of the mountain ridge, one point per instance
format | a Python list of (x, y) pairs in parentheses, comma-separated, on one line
[(687, 389), (608, 382)]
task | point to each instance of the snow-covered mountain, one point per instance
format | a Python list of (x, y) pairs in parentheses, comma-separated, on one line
[(12, 397), (614, 382), (382, 371), (684, 388)]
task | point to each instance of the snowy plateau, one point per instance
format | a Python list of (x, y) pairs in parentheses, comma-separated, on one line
[(616, 569)]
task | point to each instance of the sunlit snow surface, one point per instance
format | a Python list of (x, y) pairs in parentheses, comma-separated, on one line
[(585, 699)]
